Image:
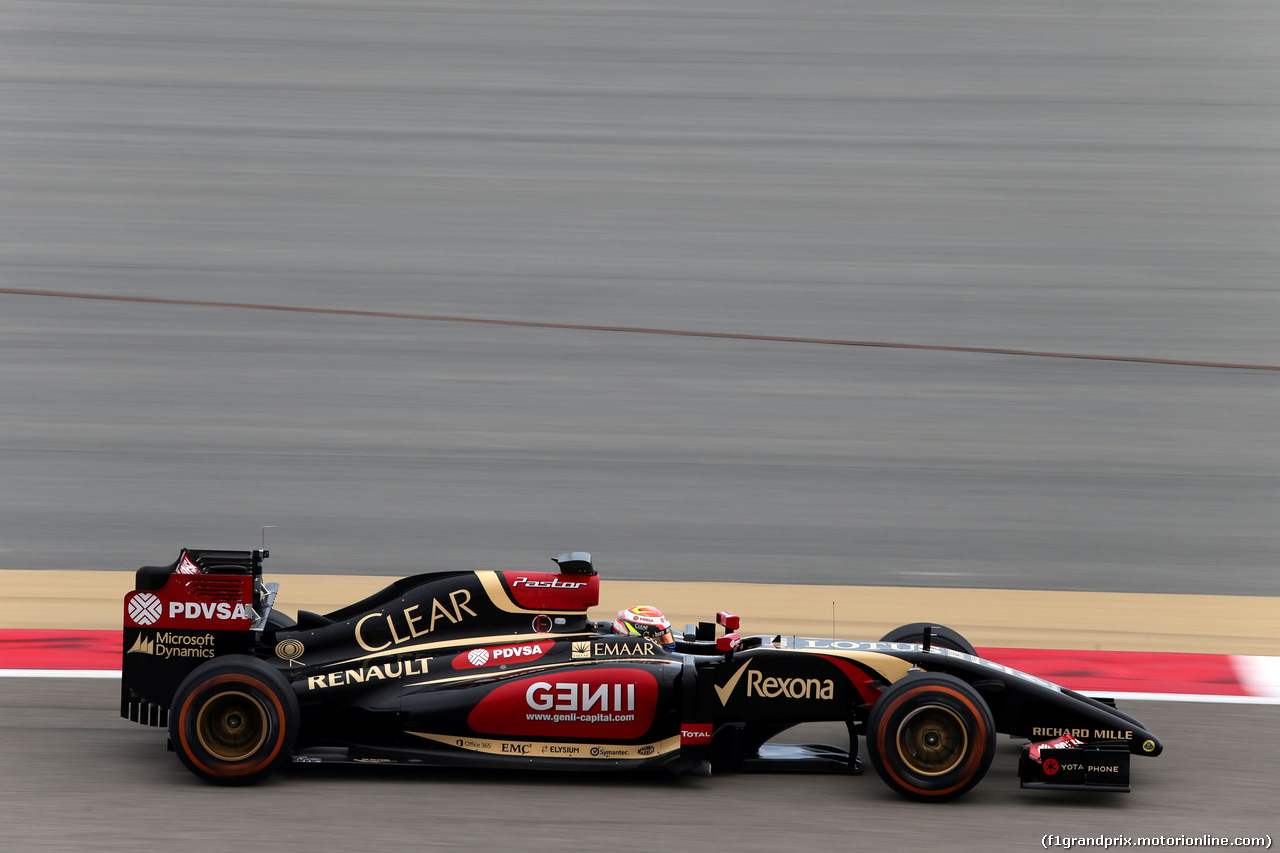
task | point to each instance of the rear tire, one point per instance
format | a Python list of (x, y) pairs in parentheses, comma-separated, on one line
[(931, 737), (234, 720), (940, 635)]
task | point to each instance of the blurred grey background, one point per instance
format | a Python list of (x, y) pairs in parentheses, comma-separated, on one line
[(1090, 178)]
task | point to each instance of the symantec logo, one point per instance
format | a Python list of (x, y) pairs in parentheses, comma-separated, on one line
[(498, 655)]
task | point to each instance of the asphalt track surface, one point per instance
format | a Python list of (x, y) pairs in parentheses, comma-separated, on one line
[(974, 178), (75, 778)]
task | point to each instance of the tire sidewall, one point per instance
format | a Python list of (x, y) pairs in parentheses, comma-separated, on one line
[(910, 694), (234, 674), (941, 635)]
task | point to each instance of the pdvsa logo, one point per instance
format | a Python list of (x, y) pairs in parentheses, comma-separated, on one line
[(221, 610), (145, 609), (497, 655)]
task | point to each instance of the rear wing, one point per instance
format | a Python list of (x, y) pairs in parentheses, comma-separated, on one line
[(203, 605)]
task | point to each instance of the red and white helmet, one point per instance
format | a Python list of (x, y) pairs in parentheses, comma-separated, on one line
[(646, 621)]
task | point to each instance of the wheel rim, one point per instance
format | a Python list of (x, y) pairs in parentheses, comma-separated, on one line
[(932, 740), (232, 726)]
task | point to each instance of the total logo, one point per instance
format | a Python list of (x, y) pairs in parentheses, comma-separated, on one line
[(498, 655), (551, 584), (692, 733)]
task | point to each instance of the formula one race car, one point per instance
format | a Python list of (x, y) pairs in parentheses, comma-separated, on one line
[(504, 669)]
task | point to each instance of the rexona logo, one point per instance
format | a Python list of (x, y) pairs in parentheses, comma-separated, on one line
[(610, 703), (769, 687), (378, 631), (498, 655), (551, 584), (789, 688)]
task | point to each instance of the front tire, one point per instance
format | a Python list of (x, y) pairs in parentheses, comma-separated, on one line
[(931, 737), (233, 720), (940, 635)]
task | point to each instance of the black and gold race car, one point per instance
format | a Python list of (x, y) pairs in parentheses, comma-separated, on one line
[(504, 669)]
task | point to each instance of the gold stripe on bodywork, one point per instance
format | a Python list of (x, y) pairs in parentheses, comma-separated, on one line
[(541, 749), (888, 667), (490, 674), (463, 643), (502, 600)]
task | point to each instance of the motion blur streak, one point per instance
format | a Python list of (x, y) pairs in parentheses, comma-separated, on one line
[(399, 315)]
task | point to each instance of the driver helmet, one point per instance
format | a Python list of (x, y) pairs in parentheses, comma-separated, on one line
[(646, 621)]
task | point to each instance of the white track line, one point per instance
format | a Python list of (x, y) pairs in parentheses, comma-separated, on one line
[(1128, 697), (1216, 698), (59, 673), (1259, 675)]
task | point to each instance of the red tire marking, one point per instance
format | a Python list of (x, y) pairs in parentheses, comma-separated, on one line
[(234, 771), (975, 757)]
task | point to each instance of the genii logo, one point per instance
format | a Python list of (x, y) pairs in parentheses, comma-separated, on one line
[(498, 655), (602, 703)]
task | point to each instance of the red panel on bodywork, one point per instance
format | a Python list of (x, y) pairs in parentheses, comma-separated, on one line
[(552, 591), (195, 602), (861, 681), (597, 704)]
